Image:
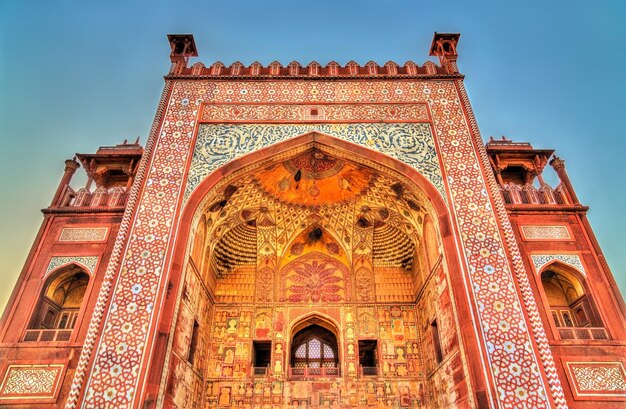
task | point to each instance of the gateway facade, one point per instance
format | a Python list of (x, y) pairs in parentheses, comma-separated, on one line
[(319, 236)]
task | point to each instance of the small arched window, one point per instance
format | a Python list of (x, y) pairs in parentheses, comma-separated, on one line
[(314, 347), (569, 304), (59, 305)]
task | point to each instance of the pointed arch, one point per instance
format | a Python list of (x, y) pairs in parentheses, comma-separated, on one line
[(58, 263), (314, 317), (314, 346), (567, 296), (311, 238), (207, 194), (208, 189), (571, 261), (575, 276), (358, 153), (59, 305)]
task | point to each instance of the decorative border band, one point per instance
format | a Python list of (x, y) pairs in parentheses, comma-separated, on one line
[(294, 113)]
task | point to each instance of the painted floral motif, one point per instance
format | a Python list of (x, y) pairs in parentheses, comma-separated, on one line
[(314, 278), (317, 282)]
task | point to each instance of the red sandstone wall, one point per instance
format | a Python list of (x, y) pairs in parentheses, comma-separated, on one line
[(13, 350), (579, 361)]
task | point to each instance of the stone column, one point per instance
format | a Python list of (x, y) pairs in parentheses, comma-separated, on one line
[(70, 168), (559, 167)]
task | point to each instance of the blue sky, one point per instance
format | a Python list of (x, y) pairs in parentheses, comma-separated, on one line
[(76, 75)]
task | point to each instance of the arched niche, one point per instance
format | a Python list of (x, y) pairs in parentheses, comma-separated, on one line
[(431, 243), (61, 298), (370, 220), (568, 297)]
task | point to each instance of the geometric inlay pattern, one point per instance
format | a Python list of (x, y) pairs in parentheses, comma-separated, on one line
[(598, 378), (512, 362), (412, 143), (540, 260), (83, 234), (298, 113), (30, 381), (514, 366), (535, 232), (89, 262)]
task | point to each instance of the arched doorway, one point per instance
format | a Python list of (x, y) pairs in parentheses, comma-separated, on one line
[(318, 223)]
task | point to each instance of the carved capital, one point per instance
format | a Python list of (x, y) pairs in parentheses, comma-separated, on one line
[(71, 165), (557, 163), (99, 177)]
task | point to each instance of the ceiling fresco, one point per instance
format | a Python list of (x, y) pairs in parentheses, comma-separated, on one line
[(314, 178), (309, 222)]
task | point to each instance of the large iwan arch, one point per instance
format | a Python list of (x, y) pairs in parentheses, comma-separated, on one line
[(295, 199)]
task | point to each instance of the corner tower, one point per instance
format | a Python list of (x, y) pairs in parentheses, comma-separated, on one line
[(46, 321)]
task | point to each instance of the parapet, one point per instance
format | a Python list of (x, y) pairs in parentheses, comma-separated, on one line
[(313, 69), (183, 47)]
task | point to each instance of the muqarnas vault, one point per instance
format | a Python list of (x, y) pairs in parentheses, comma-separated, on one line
[(320, 236)]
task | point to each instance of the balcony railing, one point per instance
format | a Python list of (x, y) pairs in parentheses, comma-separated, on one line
[(583, 333), (47, 335), (528, 194), (100, 197), (306, 372)]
